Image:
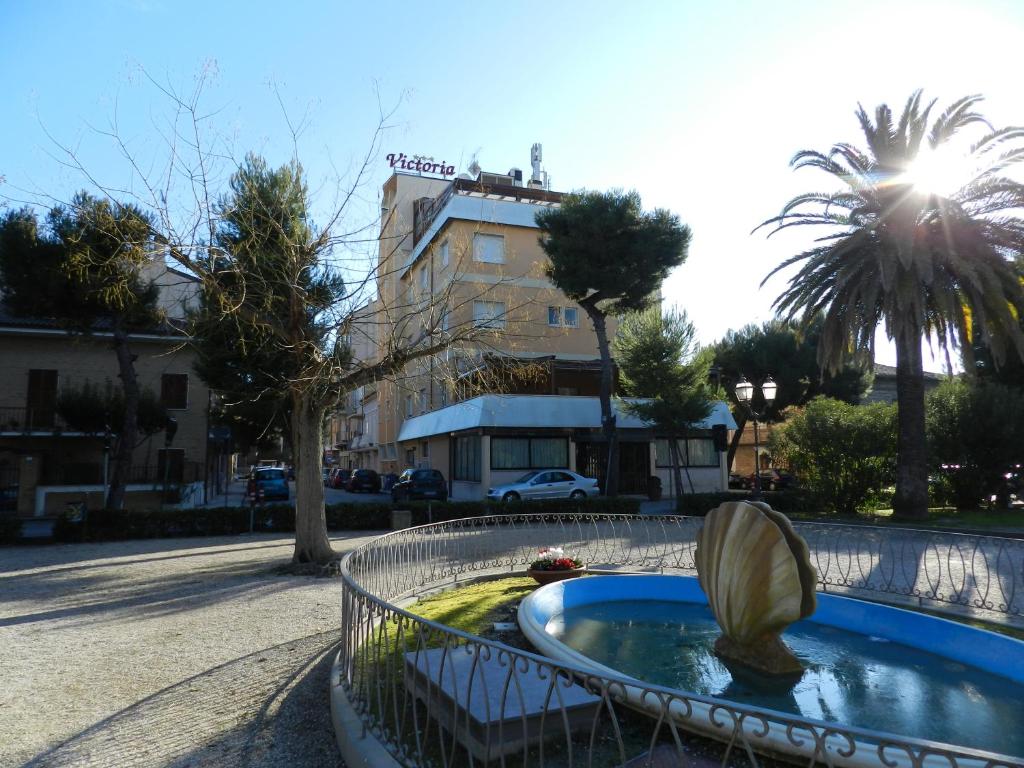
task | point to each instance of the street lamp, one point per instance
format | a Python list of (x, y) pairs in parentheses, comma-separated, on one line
[(745, 395)]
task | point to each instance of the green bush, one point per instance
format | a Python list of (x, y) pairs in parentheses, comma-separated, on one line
[(788, 502), (10, 529), (116, 525), (974, 434), (845, 455)]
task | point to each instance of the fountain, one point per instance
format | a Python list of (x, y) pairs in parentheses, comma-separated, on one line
[(758, 578), (880, 672)]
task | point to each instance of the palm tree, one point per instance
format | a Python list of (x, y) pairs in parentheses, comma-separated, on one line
[(924, 260)]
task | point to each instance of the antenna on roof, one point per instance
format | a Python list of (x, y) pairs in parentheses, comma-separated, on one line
[(539, 178), (474, 165)]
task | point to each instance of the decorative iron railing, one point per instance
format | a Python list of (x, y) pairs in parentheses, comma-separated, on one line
[(20, 420), (436, 696)]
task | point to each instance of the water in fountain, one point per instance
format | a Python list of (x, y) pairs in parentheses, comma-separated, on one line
[(848, 677)]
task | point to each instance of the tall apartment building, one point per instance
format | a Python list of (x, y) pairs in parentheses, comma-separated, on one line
[(464, 253)]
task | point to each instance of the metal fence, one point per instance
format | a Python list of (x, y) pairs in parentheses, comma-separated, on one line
[(435, 696)]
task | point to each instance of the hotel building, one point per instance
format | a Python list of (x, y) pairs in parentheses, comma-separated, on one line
[(521, 392)]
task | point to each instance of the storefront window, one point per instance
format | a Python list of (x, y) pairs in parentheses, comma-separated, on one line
[(467, 459), (699, 450), (529, 452)]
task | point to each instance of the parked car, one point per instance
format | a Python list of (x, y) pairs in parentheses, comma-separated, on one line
[(420, 484), (273, 481), (738, 481), (363, 480), (327, 475), (339, 477), (773, 479), (546, 484)]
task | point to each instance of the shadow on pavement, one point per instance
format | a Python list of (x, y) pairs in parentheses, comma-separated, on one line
[(269, 708)]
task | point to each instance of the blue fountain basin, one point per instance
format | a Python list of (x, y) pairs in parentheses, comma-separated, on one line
[(872, 669)]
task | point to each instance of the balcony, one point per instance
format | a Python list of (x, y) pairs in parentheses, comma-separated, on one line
[(425, 211), (31, 421), (91, 473)]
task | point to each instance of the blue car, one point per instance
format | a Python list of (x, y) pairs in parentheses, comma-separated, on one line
[(273, 481)]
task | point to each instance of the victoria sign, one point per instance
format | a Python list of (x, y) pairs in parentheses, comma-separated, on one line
[(420, 163)]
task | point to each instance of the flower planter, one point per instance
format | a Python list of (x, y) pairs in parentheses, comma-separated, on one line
[(546, 577)]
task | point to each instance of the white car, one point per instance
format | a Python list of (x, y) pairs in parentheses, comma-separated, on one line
[(546, 484)]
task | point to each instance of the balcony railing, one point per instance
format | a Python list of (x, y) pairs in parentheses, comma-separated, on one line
[(91, 473), (22, 420)]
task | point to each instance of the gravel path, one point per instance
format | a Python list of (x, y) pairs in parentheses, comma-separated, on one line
[(178, 652)]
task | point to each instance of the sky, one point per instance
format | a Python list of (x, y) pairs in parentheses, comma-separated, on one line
[(698, 106)]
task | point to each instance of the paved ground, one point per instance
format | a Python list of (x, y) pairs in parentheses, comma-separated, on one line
[(179, 652)]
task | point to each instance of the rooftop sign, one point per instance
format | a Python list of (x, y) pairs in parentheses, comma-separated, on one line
[(420, 163)]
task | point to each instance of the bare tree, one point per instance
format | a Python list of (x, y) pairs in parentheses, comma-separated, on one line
[(315, 288)]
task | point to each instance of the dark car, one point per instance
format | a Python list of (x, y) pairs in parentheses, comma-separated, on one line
[(773, 480), (363, 480), (339, 477), (272, 481), (420, 484)]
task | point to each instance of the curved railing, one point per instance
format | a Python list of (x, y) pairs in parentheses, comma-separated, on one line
[(434, 695)]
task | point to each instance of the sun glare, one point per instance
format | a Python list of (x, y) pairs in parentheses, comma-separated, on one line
[(941, 172)]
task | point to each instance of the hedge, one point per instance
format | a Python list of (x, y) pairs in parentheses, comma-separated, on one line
[(10, 528), (788, 502), (113, 525)]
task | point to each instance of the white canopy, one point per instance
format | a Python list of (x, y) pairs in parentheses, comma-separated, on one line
[(533, 412)]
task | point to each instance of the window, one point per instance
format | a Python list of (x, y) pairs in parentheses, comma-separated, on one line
[(444, 395), (444, 254), (489, 314), (549, 451), (567, 317), (695, 452), (510, 453), (425, 449), (408, 406), (467, 459), (42, 398), (424, 275), (174, 391), (529, 452), (489, 248), (423, 401), (410, 457)]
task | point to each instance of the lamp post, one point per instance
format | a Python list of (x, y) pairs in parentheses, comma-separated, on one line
[(745, 392)]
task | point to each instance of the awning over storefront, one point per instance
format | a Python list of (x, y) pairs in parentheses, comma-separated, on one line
[(533, 412)]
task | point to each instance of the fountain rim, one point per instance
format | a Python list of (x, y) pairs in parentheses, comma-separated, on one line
[(532, 622)]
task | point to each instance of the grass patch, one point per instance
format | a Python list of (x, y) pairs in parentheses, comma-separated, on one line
[(475, 608)]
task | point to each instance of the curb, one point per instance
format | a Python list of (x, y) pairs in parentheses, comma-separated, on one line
[(358, 747)]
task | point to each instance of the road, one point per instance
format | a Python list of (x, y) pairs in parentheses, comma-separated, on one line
[(236, 497)]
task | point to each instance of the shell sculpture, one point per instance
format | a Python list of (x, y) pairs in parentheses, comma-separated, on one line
[(758, 578)]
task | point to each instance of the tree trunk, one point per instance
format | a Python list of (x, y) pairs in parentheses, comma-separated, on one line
[(311, 542), (673, 447), (686, 442), (130, 423), (611, 477), (911, 499), (737, 435)]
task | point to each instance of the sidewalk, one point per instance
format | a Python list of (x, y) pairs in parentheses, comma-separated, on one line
[(177, 651)]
